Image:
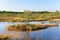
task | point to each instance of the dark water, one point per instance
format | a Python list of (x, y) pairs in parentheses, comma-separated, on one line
[(51, 33)]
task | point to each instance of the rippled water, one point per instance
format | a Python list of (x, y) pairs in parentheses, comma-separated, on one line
[(51, 33)]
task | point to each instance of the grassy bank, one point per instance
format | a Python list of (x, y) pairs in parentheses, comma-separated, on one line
[(8, 16), (30, 27)]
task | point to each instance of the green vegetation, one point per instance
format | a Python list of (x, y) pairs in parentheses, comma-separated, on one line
[(25, 27), (32, 15), (30, 27)]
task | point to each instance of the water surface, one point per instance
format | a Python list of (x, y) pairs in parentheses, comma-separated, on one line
[(51, 33)]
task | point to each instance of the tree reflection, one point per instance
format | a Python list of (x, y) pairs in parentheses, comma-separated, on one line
[(42, 22)]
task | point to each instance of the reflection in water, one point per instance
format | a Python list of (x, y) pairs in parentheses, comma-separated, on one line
[(53, 22), (42, 22), (51, 33)]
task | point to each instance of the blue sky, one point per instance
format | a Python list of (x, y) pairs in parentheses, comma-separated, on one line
[(34, 5)]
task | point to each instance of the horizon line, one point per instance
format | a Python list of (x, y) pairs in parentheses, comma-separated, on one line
[(29, 10)]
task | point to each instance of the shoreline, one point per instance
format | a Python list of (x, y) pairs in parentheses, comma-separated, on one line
[(25, 20)]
